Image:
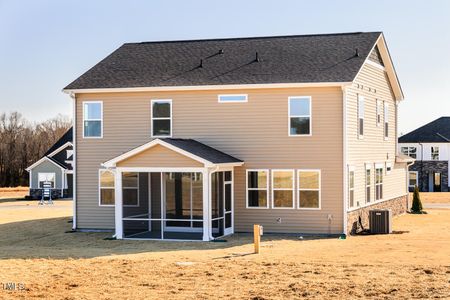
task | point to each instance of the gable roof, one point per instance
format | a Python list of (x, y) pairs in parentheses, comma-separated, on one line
[(322, 58), (66, 138), (188, 147), (437, 131)]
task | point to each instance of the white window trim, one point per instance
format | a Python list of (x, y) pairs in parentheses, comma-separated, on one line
[(351, 169), (131, 188), (408, 150), (101, 120), (372, 200), (299, 116), (54, 182), (159, 118), (283, 189), (386, 120), (361, 99), (417, 179), (382, 167), (257, 189), (100, 171), (378, 121), (232, 101), (303, 189)]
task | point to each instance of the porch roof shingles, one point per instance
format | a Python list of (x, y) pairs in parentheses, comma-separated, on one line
[(201, 150), (281, 59)]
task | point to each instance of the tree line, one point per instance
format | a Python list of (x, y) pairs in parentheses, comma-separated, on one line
[(23, 142)]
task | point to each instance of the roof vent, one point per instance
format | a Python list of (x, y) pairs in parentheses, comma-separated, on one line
[(220, 51), (201, 63), (257, 57), (356, 52)]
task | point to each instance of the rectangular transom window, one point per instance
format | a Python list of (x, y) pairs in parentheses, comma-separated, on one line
[(162, 118), (308, 189), (435, 153), (378, 183), (299, 115), (413, 179), (386, 120), (46, 178), (410, 151), (257, 188), (232, 98), (283, 188), (92, 119), (130, 188), (360, 116), (106, 188)]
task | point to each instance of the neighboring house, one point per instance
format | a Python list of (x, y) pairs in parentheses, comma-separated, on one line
[(429, 145), (198, 139), (55, 167)]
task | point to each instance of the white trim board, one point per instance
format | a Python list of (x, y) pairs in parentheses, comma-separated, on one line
[(40, 161), (60, 149)]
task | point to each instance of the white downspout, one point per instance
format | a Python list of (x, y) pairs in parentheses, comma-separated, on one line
[(344, 158), (74, 164)]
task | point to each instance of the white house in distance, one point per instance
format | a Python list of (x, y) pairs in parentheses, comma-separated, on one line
[(429, 145)]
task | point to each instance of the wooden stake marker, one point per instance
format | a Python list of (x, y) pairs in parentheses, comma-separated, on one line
[(257, 232)]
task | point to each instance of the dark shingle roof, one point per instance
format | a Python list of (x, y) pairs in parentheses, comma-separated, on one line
[(201, 150), (437, 131), (67, 137), (282, 59)]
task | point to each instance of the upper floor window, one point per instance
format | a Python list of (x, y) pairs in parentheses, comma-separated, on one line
[(257, 188), (386, 120), (69, 154), (161, 118), (360, 116), (379, 112), (435, 153), (232, 98), (106, 188), (410, 151), (93, 119), (299, 116)]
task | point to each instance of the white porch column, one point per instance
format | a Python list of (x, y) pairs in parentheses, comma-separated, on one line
[(118, 204), (206, 205)]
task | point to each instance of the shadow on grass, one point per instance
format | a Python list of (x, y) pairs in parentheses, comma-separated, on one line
[(49, 238)]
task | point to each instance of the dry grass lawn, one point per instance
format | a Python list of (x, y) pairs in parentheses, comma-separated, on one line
[(433, 197), (13, 193), (52, 264)]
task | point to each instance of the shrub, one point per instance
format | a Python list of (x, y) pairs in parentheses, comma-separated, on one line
[(416, 204)]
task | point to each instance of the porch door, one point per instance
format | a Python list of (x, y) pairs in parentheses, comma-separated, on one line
[(228, 203), (222, 203)]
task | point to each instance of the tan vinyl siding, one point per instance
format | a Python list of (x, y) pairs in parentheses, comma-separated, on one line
[(255, 131), (373, 85), (159, 156)]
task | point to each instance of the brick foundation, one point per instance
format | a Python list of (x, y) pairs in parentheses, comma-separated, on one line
[(398, 206)]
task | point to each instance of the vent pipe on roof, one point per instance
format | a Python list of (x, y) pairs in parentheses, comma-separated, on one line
[(356, 52), (201, 63), (220, 51), (257, 57)]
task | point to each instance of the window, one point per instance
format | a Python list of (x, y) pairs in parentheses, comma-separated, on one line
[(434, 153), (368, 184), (410, 151), (351, 188), (161, 118), (378, 183), (106, 186), (299, 116), (386, 120), (130, 188), (257, 189), (360, 116), (283, 188), (413, 179), (46, 178), (92, 119), (232, 98), (69, 154), (388, 168), (308, 189), (379, 110)]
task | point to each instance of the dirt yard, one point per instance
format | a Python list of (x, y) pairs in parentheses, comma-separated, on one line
[(45, 262), (13, 193)]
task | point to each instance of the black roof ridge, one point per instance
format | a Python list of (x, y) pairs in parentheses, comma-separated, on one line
[(254, 37)]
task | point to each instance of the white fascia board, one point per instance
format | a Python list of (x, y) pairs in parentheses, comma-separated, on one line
[(40, 161), (60, 149), (112, 163), (208, 87)]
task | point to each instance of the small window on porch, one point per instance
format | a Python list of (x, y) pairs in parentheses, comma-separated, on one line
[(106, 187)]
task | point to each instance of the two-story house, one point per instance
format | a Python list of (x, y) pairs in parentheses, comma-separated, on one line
[(429, 145), (198, 139)]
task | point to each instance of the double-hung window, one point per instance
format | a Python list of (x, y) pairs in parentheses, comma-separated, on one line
[(130, 188), (410, 151), (299, 116), (413, 179), (386, 120), (106, 188), (257, 188), (308, 189), (351, 188), (161, 118), (435, 153), (378, 182), (360, 116), (368, 184), (92, 119), (283, 188), (46, 178)]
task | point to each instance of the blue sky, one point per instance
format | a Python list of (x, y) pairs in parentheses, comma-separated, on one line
[(44, 45)]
